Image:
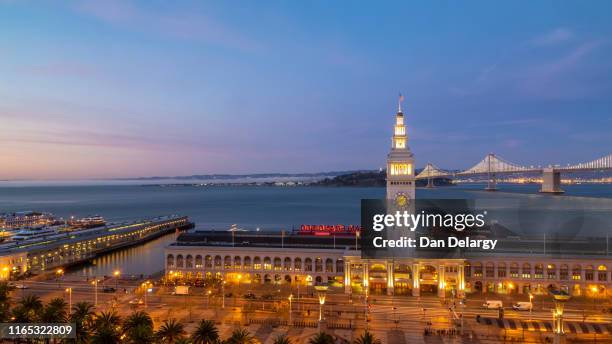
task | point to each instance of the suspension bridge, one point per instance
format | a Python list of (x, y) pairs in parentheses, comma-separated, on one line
[(493, 166)]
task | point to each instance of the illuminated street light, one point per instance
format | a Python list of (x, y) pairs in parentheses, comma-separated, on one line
[(116, 273), (560, 298), (322, 293), (59, 273), (69, 291), (290, 308)]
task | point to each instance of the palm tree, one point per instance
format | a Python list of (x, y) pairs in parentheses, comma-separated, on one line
[(170, 331), (5, 300), (141, 334), (183, 341), (55, 311), (82, 316), (321, 338), (241, 336), (28, 309), (107, 319), (106, 335), (282, 339), (205, 333), (136, 319), (367, 338), (106, 326)]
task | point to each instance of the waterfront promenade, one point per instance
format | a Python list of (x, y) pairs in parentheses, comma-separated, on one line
[(394, 320)]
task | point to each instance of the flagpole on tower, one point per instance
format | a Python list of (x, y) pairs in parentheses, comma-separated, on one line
[(399, 103)]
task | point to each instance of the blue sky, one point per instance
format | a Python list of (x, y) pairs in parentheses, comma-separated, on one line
[(125, 88)]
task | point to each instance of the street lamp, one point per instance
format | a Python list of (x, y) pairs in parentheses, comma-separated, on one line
[(69, 291), (290, 308), (530, 306), (223, 295), (95, 284), (208, 298), (560, 298), (59, 273), (146, 289), (322, 293), (116, 273)]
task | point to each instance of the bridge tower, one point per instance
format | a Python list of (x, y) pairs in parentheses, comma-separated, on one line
[(400, 162), (491, 178), (551, 181)]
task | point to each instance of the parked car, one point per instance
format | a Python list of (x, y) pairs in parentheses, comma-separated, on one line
[(21, 286), (136, 302), (493, 304), (522, 306), (109, 290)]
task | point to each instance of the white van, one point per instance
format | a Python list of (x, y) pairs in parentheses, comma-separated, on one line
[(493, 304), (522, 306)]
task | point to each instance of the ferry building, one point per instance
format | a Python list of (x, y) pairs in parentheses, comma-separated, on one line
[(332, 255)]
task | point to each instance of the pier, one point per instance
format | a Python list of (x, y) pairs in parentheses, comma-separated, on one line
[(82, 246)]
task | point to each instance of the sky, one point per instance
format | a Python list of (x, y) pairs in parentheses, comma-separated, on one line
[(102, 89)]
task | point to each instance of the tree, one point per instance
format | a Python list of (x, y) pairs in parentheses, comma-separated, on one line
[(321, 338), (28, 309), (136, 319), (282, 339), (82, 316), (55, 311), (241, 336), (106, 335), (107, 319), (183, 341), (140, 334), (367, 338), (205, 333), (170, 331), (106, 326), (5, 301)]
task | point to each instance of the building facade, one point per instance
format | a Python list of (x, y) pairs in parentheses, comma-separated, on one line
[(335, 258)]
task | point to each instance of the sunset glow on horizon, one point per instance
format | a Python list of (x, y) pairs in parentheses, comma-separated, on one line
[(108, 89)]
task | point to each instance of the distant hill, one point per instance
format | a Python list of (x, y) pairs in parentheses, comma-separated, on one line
[(370, 178), (245, 176)]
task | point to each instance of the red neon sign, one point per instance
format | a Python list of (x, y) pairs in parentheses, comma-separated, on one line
[(329, 229)]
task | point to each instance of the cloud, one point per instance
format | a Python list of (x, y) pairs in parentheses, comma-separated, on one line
[(556, 36), (184, 25)]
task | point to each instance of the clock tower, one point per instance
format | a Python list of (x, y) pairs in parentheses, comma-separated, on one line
[(400, 163)]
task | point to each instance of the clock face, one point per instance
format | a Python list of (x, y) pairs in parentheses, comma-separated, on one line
[(401, 199)]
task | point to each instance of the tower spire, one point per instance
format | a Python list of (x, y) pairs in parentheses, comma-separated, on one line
[(399, 103)]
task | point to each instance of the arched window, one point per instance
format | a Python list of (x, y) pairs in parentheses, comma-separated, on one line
[(514, 270), (227, 262), (237, 262), (247, 263), (198, 261), (501, 270), (297, 264), (602, 273), (329, 265), (588, 273), (526, 270), (170, 260), (576, 272), (564, 272), (551, 271), (257, 263), (287, 264), (308, 264), (478, 269), (318, 264), (179, 261), (208, 262), (490, 270), (339, 266), (267, 263), (189, 262), (539, 271), (277, 264), (217, 262)]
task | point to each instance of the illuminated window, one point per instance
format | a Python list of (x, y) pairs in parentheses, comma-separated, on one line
[(398, 169), (400, 142), (400, 130)]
